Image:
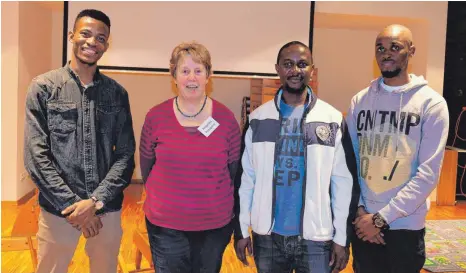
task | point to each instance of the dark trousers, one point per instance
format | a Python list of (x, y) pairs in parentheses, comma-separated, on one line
[(175, 251), (282, 254), (404, 252)]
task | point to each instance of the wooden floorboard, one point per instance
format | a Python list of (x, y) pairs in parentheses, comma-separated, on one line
[(132, 217)]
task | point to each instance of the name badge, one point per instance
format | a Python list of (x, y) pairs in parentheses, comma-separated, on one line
[(208, 126)]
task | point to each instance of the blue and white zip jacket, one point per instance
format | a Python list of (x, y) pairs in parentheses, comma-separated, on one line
[(329, 198)]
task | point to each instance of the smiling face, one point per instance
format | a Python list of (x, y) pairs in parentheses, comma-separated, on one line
[(191, 78), (393, 49), (89, 39), (295, 68)]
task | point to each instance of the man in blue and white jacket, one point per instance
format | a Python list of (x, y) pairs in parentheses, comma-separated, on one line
[(298, 166)]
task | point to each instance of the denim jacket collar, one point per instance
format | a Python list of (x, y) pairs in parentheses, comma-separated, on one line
[(95, 81)]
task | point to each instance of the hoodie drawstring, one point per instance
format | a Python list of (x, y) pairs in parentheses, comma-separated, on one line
[(399, 124), (373, 107)]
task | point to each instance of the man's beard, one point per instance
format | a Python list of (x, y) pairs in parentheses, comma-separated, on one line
[(391, 74), (298, 90), (84, 62)]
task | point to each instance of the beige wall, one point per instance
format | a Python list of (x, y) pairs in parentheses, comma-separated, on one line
[(343, 67), (26, 29), (10, 53), (57, 35), (34, 59)]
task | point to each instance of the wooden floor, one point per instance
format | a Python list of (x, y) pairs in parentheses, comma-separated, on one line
[(132, 217)]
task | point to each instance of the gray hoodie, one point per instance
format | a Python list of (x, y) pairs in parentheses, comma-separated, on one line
[(399, 139)]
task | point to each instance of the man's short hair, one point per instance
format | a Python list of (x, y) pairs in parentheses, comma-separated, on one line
[(95, 14), (290, 44)]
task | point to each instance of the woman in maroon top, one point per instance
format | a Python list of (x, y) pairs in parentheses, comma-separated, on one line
[(189, 153)]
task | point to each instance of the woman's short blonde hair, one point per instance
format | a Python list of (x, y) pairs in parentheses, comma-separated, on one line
[(197, 51)]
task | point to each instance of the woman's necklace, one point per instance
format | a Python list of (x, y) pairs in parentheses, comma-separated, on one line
[(190, 116)]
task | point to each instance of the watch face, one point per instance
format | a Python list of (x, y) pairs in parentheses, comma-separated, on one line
[(378, 222), (99, 205)]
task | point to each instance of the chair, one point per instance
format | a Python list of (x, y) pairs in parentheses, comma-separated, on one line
[(141, 241), (23, 234)]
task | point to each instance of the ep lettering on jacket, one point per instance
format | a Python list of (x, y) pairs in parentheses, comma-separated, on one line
[(208, 126)]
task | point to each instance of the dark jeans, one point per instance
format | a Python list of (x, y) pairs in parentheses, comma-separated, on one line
[(175, 251), (282, 254), (404, 252)]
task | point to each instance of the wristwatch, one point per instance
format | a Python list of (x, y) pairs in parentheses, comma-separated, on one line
[(97, 203), (379, 222)]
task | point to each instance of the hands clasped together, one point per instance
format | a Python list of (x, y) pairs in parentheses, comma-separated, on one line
[(81, 215), (365, 228)]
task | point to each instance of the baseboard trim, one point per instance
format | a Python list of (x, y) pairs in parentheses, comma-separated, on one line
[(23, 200), (137, 181)]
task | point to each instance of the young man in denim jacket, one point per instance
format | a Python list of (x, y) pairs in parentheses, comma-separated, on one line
[(79, 151)]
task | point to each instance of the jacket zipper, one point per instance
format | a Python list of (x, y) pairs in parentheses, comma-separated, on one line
[(303, 194), (272, 219), (280, 118)]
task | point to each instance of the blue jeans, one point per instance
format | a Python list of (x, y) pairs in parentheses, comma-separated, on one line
[(282, 254), (176, 251)]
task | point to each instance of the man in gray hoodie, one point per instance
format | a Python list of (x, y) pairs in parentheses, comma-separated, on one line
[(399, 128)]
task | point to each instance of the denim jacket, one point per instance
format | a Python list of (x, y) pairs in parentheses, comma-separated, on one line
[(79, 142)]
